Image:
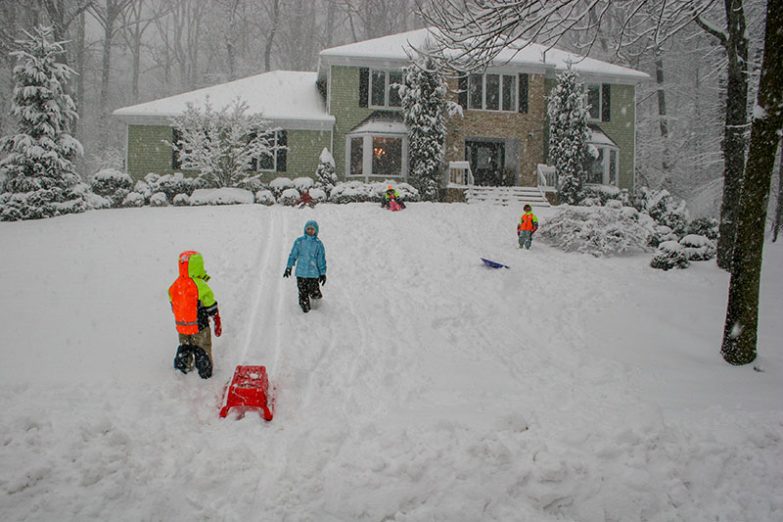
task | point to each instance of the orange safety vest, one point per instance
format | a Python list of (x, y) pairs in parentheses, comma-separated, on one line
[(528, 222), (184, 298)]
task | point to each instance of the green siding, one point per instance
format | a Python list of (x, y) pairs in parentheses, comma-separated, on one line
[(147, 152), (344, 99), (621, 128)]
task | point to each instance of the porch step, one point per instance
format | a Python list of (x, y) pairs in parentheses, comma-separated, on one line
[(506, 196)]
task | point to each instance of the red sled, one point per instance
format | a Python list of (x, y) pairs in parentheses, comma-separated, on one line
[(394, 206), (248, 389)]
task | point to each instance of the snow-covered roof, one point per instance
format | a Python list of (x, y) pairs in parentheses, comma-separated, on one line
[(289, 99), (599, 137), (394, 51), (380, 123)]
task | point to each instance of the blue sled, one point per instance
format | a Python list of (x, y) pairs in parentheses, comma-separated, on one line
[(494, 264)]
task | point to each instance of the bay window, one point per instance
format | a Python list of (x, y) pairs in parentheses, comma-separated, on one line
[(373, 154), (602, 168)]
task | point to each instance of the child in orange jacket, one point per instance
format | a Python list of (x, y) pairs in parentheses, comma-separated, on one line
[(528, 224)]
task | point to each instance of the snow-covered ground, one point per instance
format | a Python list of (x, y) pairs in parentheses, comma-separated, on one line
[(424, 387)]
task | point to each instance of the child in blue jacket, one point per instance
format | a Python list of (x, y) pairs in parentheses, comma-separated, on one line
[(309, 256)]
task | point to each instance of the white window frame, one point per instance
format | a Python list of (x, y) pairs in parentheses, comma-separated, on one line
[(600, 87), (386, 89), (274, 157), (501, 74), (367, 155), (605, 177)]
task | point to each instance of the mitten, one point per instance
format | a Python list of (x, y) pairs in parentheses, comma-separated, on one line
[(218, 326), (322, 279), (287, 272)]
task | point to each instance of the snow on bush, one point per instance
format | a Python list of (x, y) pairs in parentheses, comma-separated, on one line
[(325, 173), (356, 191), (670, 254), (112, 184), (134, 199), (318, 194), (289, 197), (663, 208), (221, 196), (278, 185), (265, 197), (698, 248), (662, 233), (600, 231), (604, 195), (703, 226), (158, 199), (181, 200), (171, 184), (303, 183), (252, 183)]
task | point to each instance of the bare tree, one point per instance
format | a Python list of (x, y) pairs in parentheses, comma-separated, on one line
[(741, 325), (135, 21), (779, 201)]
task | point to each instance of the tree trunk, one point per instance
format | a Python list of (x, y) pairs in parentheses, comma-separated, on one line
[(663, 120), (740, 329), (779, 203), (79, 52), (270, 39), (734, 135), (108, 35)]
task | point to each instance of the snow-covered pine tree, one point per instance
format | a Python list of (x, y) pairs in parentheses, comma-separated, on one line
[(568, 135), (423, 95), (222, 145), (38, 172), (326, 173)]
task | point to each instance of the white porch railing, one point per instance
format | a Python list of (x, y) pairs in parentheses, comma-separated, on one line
[(460, 173), (547, 177)]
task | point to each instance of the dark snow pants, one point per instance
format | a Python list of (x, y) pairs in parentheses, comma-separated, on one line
[(308, 288), (195, 350)]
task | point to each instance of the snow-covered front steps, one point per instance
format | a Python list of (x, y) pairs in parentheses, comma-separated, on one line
[(506, 196)]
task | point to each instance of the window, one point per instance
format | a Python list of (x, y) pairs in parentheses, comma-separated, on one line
[(603, 170), (492, 92), (386, 156), (376, 155), (357, 156), (594, 99), (384, 90), (276, 160)]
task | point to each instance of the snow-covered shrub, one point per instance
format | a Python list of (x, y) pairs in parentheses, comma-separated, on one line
[(159, 199), (663, 208), (221, 196), (600, 195), (265, 197), (349, 192), (670, 254), (326, 173), (143, 188), (407, 192), (423, 101), (318, 194), (252, 183), (171, 184), (662, 233), (289, 197), (278, 185), (37, 163), (698, 248), (112, 184), (303, 183), (568, 135), (599, 231), (181, 200), (703, 226), (134, 199), (92, 200)]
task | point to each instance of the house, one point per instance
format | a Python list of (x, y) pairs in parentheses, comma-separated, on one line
[(351, 107)]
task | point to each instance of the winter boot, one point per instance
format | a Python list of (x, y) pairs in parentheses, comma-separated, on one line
[(183, 361), (203, 363)]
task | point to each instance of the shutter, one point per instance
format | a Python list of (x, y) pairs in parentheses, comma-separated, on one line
[(606, 102), (523, 79), (282, 153), (176, 135), (364, 86), (463, 91)]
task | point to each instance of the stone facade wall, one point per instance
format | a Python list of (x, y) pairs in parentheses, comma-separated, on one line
[(526, 128)]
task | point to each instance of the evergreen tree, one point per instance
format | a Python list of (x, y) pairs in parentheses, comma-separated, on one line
[(568, 135), (326, 174), (223, 145), (38, 171), (423, 96)]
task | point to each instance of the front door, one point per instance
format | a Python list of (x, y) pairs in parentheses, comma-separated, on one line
[(486, 159)]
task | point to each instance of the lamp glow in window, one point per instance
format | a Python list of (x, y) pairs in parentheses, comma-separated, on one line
[(386, 156)]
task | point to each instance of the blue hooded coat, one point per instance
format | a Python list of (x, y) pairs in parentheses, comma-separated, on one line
[(308, 254)]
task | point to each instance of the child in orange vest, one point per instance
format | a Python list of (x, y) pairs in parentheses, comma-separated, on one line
[(193, 303), (528, 224)]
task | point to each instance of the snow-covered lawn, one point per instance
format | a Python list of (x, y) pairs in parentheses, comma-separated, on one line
[(424, 387)]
